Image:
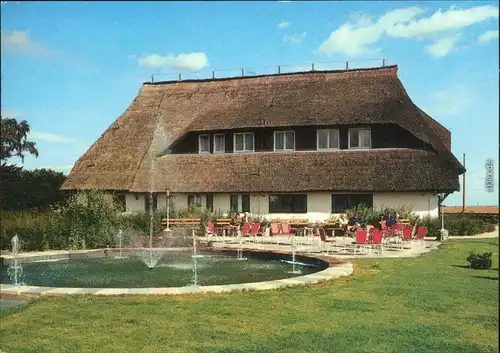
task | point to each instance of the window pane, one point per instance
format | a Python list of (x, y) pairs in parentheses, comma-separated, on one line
[(233, 206), (190, 200), (249, 142), (354, 138), (210, 202), (342, 202), (333, 139), (290, 140), (204, 143), (219, 143), (365, 138), (245, 203), (238, 145), (279, 144), (322, 139), (288, 203)]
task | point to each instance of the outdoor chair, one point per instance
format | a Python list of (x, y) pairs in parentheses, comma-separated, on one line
[(210, 229), (421, 234), (255, 231), (406, 238), (361, 241), (376, 240), (275, 232), (246, 230)]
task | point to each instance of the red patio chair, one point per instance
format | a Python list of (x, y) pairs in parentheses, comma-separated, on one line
[(285, 227), (255, 231), (406, 238), (377, 240), (421, 234), (246, 230), (361, 240), (210, 229)]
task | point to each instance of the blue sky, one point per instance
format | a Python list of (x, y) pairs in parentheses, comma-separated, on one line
[(70, 69)]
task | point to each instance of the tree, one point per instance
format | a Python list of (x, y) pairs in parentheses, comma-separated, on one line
[(15, 140)]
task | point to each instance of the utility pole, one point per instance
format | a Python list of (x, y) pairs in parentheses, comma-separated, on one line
[(463, 187)]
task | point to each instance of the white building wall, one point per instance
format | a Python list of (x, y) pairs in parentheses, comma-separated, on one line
[(221, 203), (424, 204), (134, 202), (318, 204)]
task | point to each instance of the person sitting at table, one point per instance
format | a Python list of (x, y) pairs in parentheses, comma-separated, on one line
[(237, 221), (392, 220), (343, 222), (382, 223), (354, 223)]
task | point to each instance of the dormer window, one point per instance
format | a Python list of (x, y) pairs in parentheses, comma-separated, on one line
[(360, 138), (204, 143), (327, 139), (244, 142), (284, 140), (219, 143)]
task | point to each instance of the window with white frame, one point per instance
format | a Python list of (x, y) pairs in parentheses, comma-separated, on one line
[(204, 143), (244, 142), (328, 139), (360, 138), (284, 141), (219, 143)]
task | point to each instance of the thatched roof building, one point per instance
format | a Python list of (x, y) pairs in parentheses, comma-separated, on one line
[(118, 160)]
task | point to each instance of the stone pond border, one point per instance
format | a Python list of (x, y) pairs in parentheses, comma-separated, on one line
[(336, 268)]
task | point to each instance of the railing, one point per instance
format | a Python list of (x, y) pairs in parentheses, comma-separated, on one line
[(268, 70)]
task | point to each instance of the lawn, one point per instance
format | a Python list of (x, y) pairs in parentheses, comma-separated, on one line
[(429, 304)]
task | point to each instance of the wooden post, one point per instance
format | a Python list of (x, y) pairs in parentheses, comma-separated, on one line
[(180, 77), (312, 66), (279, 69), (383, 62), (242, 72), (152, 78), (213, 74), (347, 65), (463, 187)]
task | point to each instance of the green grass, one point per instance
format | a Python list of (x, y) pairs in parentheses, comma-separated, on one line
[(429, 304)]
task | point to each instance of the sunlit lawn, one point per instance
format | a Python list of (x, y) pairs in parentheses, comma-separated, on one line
[(429, 304)]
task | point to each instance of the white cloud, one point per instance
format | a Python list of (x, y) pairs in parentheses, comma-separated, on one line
[(294, 38), (441, 47), (443, 22), (49, 137), (283, 24), (488, 36), (192, 62), (355, 38), (21, 41)]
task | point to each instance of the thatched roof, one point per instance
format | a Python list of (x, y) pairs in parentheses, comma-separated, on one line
[(120, 159), (347, 170)]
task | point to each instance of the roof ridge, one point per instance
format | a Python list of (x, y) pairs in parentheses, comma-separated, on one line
[(389, 68)]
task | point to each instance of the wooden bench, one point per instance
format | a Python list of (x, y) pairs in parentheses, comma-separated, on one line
[(191, 222), (223, 225), (405, 222)]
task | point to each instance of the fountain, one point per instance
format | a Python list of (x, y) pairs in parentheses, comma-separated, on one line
[(15, 269), (195, 259), (294, 263), (120, 244), (239, 251), (158, 146)]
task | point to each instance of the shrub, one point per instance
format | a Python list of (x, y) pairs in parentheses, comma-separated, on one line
[(479, 261), (458, 224), (93, 218), (370, 215)]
